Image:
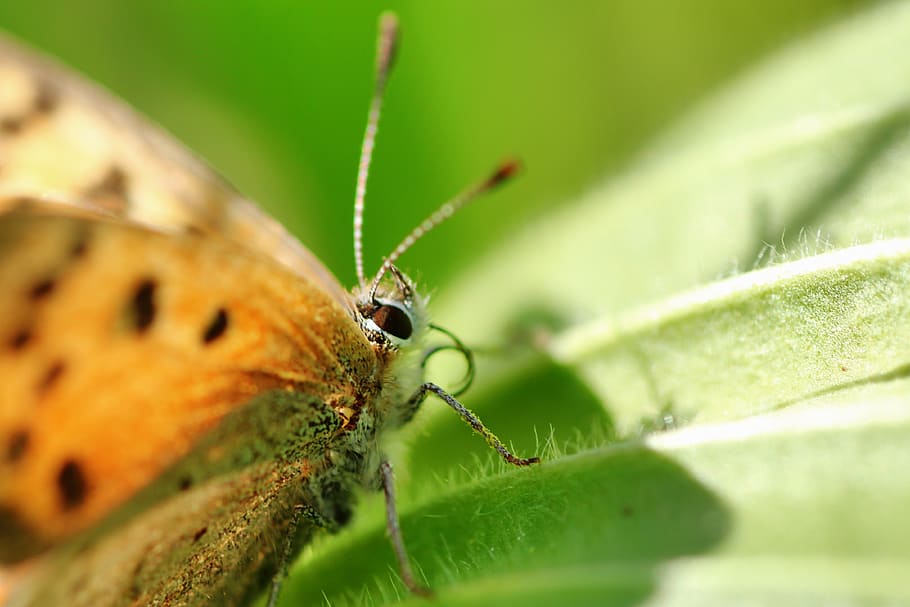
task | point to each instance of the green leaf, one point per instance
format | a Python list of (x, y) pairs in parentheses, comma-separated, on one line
[(711, 435), (805, 153), (805, 505), (760, 341)]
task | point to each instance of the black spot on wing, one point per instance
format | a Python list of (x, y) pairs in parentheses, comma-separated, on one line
[(71, 484), (20, 339), (111, 192), (45, 102), (11, 126), (142, 307), (42, 289), (216, 327), (80, 247), (17, 445), (52, 375), (46, 99)]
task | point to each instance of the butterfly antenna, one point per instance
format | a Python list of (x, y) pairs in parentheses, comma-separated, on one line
[(502, 173), (385, 56)]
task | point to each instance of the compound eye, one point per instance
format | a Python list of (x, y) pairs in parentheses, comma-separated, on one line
[(394, 321)]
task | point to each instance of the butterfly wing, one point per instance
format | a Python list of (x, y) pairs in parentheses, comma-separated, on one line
[(123, 347), (215, 543), (148, 312), (65, 139)]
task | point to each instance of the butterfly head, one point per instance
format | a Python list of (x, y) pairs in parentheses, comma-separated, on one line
[(392, 314), (390, 311), (389, 306)]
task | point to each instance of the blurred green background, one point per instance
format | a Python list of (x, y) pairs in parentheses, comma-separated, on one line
[(274, 95)]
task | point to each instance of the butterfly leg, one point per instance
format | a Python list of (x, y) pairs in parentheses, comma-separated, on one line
[(472, 420), (393, 528)]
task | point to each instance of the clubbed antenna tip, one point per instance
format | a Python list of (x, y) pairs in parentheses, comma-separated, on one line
[(503, 172), (387, 44), (506, 171)]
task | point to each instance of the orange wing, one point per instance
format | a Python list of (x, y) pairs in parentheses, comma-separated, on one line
[(66, 139), (120, 347)]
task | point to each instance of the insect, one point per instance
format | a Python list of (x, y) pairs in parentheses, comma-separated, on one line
[(187, 394)]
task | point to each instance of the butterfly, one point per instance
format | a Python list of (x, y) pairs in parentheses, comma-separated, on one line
[(187, 395)]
